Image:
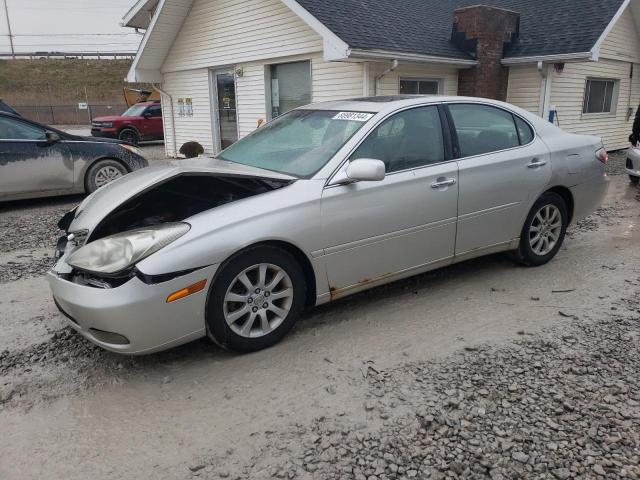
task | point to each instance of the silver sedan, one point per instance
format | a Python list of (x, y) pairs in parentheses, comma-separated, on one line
[(322, 202)]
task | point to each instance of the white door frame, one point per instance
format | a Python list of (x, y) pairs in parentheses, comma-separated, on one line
[(214, 110)]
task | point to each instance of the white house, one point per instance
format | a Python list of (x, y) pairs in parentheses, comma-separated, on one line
[(225, 65)]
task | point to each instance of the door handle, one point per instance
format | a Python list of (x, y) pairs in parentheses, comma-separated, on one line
[(445, 182), (535, 163)]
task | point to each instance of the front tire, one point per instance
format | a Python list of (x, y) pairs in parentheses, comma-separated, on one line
[(129, 136), (103, 172), (543, 231), (633, 179), (256, 299)]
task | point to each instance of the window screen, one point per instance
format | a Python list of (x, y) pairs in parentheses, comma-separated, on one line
[(483, 129), (418, 87), (599, 96), (409, 139), (290, 87)]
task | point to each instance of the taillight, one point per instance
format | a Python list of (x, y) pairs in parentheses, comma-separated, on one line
[(602, 155)]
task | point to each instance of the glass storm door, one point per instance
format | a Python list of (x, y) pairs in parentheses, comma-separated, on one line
[(226, 115)]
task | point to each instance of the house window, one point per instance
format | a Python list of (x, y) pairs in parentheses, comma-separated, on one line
[(600, 96), (419, 87), (290, 86)]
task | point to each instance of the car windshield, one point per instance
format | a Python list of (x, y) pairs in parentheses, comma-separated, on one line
[(298, 143), (135, 111)]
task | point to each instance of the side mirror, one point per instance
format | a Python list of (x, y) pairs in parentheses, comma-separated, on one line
[(146, 115), (366, 170), (52, 137)]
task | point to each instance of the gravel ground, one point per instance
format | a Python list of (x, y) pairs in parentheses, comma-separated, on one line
[(558, 405)]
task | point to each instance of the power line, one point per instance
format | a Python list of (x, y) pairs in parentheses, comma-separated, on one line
[(72, 34), (6, 11)]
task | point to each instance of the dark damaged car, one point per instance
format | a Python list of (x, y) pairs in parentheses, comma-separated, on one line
[(39, 161)]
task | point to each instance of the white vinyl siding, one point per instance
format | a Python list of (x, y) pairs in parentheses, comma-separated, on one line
[(193, 84), (623, 42), (228, 32), (390, 83), (524, 87), (335, 80), (567, 95), (250, 97)]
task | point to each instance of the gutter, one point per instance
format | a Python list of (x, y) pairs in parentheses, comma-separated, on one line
[(408, 57), (562, 57), (173, 119)]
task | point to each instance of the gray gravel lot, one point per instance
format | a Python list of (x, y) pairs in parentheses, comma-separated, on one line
[(481, 370)]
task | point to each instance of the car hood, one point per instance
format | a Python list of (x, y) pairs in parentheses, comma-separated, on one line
[(99, 204), (97, 139), (108, 118)]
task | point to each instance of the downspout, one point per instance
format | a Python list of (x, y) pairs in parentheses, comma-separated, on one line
[(393, 66), (173, 119), (545, 88)]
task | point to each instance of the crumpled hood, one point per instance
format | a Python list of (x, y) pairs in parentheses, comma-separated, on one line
[(99, 204)]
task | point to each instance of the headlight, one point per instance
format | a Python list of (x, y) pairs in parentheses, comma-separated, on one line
[(117, 252), (107, 124), (131, 148)]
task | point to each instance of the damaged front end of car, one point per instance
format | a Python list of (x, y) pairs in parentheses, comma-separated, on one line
[(101, 249)]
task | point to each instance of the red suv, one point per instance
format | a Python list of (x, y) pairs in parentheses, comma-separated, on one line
[(141, 122)]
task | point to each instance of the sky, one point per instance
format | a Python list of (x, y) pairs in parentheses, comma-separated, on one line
[(67, 25)]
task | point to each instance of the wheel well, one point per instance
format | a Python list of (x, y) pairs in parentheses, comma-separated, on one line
[(302, 259), (129, 127), (567, 196)]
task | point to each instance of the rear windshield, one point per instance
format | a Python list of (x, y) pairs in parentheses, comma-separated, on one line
[(298, 143)]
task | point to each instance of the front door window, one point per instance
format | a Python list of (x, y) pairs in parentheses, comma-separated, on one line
[(227, 119)]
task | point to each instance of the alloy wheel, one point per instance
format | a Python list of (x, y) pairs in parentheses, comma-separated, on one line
[(258, 300), (545, 230), (106, 175)]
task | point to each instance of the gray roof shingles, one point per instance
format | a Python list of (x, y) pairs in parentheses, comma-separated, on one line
[(547, 27)]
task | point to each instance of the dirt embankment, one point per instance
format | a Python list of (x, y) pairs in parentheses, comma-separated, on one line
[(63, 81)]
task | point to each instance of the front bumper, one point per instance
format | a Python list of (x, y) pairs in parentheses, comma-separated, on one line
[(135, 310), (632, 162), (104, 132)]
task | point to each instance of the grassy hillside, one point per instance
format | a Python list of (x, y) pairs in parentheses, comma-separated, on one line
[(62, 81)]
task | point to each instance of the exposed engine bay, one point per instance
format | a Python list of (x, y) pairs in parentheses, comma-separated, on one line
[(182, 197)]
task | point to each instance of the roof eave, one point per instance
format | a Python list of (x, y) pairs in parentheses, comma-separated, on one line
[(138, 15), (561, 57), (362, 54)]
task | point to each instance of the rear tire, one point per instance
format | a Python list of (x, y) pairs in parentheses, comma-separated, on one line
[(103, 172), (129, 136), (635, 180), (255, 300), (543, 231)]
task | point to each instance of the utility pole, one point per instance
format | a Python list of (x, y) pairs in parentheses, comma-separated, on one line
[(6, 12)]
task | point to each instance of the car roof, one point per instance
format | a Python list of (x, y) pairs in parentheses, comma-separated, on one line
[(393, 102)]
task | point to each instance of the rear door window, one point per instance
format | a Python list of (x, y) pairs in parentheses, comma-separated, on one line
[(483, 129)]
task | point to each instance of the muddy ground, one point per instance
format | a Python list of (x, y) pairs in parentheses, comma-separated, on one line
[(480, 370)]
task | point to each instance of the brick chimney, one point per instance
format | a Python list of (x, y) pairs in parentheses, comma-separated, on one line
[(486, 33)]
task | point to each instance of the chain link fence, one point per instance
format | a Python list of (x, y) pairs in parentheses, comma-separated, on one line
[(68, 114)]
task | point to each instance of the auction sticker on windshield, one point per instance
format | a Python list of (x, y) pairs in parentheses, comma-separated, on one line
[(354, 116)]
